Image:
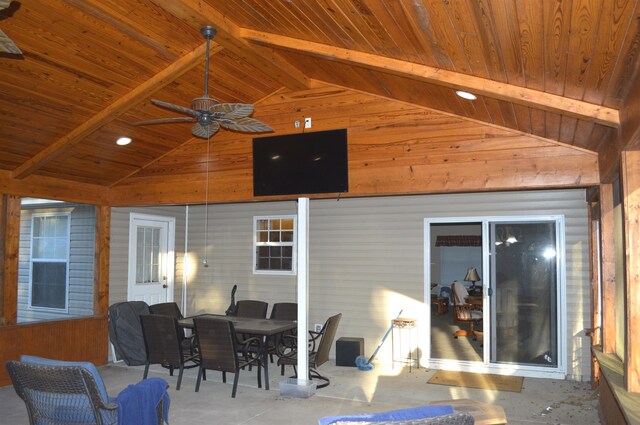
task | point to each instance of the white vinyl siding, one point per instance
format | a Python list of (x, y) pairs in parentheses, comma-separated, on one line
[(82, 224), (366, 258)]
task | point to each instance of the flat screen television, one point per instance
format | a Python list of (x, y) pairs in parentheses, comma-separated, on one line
[(301, 163)]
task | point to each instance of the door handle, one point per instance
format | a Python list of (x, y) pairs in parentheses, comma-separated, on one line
[(164, 285)]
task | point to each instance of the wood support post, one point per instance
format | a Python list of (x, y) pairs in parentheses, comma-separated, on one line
[(102, 244), (608, 270), (11, 244), (630, 173)]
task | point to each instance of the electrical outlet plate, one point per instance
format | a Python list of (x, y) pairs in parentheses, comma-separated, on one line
[(296, 123), (318, 327), (307, 122)]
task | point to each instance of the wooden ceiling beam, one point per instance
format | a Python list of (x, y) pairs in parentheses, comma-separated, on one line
[(111, 112), (479, 86), (197, 14)]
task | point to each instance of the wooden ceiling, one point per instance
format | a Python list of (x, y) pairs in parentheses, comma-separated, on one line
[(552, 68)]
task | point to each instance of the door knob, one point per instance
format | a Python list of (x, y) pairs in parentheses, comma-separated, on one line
[(164, 285)]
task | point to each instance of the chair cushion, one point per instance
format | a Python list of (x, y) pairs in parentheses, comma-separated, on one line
[(392, 415), (87, 365)]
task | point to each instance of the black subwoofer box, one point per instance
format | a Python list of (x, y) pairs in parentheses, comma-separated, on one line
[(347, 349)]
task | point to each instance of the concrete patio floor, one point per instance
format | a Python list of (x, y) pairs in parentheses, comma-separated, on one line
[(542, 401)]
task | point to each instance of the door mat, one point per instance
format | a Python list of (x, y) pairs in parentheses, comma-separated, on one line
[(477, 380)]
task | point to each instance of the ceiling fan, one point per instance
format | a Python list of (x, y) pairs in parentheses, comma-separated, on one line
[(208, 113), (6, 44)]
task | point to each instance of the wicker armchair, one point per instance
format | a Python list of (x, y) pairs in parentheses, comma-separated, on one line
[(319, 348), (60, 393)]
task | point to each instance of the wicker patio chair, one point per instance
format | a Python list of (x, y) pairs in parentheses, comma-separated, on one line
[(71, 394)]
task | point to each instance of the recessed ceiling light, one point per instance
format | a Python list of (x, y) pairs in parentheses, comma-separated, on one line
[(123, 141), (466, 95)]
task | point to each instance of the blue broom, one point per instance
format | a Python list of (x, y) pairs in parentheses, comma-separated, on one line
[(365, 364)]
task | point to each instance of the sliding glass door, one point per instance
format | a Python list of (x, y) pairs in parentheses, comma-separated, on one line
[(524, 301), (519, 293)]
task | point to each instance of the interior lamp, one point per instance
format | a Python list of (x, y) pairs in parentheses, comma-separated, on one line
[(472, 276)]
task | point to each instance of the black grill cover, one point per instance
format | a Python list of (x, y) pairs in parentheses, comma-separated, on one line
[(125, 331)]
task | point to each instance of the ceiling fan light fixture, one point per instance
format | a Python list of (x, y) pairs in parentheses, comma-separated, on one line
[(466, 95), (123, 141), (208, 114)]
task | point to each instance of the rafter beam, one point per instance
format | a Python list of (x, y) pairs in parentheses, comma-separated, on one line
[(197, 13), (480, 86), (111, 112)]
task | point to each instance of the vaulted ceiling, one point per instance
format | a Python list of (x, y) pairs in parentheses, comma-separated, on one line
[(551, 68)]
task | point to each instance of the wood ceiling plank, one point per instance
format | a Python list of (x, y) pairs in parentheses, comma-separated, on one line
[(616, 20), (199, 13), (480, 86), (523, 117), (434, 24), (552, 127), (585, 18), (419, 49), (530, 20), (505, 20), (182, 65), (479, 56), (538, 122), (557, 29), (567, 129)]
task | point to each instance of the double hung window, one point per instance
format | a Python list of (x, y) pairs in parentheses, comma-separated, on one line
[(274, 245), (49, 261)]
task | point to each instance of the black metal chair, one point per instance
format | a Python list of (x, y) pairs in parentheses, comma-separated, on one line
[(74, 394), (171, 309), (252, 308), (282, 311), (162, 340), (319, 348), (219, 350)]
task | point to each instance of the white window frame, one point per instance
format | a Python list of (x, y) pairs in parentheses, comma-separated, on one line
[(68, 236), (292, 244)]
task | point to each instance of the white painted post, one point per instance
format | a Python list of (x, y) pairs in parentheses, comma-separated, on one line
[(303, 287)]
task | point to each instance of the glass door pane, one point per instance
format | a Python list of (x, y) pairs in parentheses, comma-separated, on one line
[(524, 304)]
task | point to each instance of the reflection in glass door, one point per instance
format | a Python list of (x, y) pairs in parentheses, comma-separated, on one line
[(524, 303)]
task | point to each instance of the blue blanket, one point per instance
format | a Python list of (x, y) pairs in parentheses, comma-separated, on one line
[(392, 415), (137, 403)]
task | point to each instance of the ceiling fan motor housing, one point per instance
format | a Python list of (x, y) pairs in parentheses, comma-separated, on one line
[(203, 103)]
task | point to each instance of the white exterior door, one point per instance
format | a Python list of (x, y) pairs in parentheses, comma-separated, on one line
[(151, 258)]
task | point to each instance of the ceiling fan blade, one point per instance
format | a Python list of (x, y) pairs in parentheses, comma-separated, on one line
[(165, 120), (8, 46), (176, 108), (245, 125), (199, 130), (231, 110)]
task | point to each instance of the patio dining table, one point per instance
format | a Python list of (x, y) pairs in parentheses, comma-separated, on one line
[(265, 328)]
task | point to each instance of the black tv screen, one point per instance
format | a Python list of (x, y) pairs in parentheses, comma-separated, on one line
[(301, 163)]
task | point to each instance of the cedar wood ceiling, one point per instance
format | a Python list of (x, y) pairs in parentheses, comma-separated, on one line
[(555, 69)]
